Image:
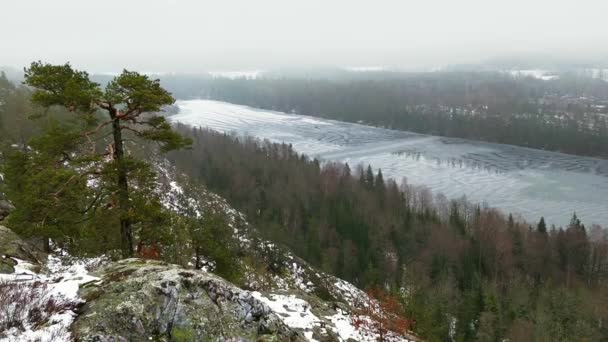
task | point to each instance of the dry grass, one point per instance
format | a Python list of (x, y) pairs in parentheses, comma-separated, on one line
[(26, 305)]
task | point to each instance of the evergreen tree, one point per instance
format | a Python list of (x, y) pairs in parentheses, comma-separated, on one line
[(49, 197), (379, 184), (213, 238), (575, 223), (369, 177), (346, 175), (123, 110), (542, 226)]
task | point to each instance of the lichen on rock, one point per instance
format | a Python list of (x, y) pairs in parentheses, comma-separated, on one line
[(150, 300)]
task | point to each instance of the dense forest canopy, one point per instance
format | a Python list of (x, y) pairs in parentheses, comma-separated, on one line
[(498, 273), (567, 114)]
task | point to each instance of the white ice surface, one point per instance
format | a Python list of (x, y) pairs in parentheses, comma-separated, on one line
[(523, 181)]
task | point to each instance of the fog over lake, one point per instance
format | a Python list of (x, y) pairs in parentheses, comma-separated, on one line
[(529, 182)]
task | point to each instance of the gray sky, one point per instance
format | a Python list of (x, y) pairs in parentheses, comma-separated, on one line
[(189, 35)]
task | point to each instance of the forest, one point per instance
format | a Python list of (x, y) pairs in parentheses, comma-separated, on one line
[(459, 269), (501, 275), (568, 114), (304, 171)]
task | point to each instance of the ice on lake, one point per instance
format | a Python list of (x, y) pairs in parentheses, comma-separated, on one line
[(529, 182)]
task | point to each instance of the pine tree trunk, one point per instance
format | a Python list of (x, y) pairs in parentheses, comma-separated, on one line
[(126, 235)]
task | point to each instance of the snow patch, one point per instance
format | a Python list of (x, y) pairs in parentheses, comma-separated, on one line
[(60, 285), (293, 311)]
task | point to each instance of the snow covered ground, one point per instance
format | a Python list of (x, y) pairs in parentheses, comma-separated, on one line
[(530, 182), (296, 313), (47, 298)]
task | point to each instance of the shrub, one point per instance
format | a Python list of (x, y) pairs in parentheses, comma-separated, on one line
[(25, 305)]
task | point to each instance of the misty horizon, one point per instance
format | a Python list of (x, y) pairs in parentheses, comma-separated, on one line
[(188, 36)]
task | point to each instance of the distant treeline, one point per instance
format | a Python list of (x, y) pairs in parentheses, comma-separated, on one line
[(568, 114), (490, 275)]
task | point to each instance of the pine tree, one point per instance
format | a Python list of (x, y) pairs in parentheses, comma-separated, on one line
[(346, 172), (123, 110), (361, 174), (212, 237), (379, 183), (369, 177), (542, 226), (36, 184)]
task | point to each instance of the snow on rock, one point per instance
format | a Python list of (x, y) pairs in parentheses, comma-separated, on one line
[(347, 291), (346, 330), (297, 313), (294, 312)]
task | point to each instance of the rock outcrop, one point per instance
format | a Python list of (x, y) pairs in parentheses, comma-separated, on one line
[(139, 300), (13, 247), (5, 208)]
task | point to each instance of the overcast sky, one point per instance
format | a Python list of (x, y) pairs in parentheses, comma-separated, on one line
[(191, 35)]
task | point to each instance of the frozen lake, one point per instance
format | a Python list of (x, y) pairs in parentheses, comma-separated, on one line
[(529, 182)]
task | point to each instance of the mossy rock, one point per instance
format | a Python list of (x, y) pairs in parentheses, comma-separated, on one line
[(12, 246), (141, 300), (7, 265)]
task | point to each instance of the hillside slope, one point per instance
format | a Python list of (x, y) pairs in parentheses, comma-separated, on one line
[(282, 299), (306, 299)]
